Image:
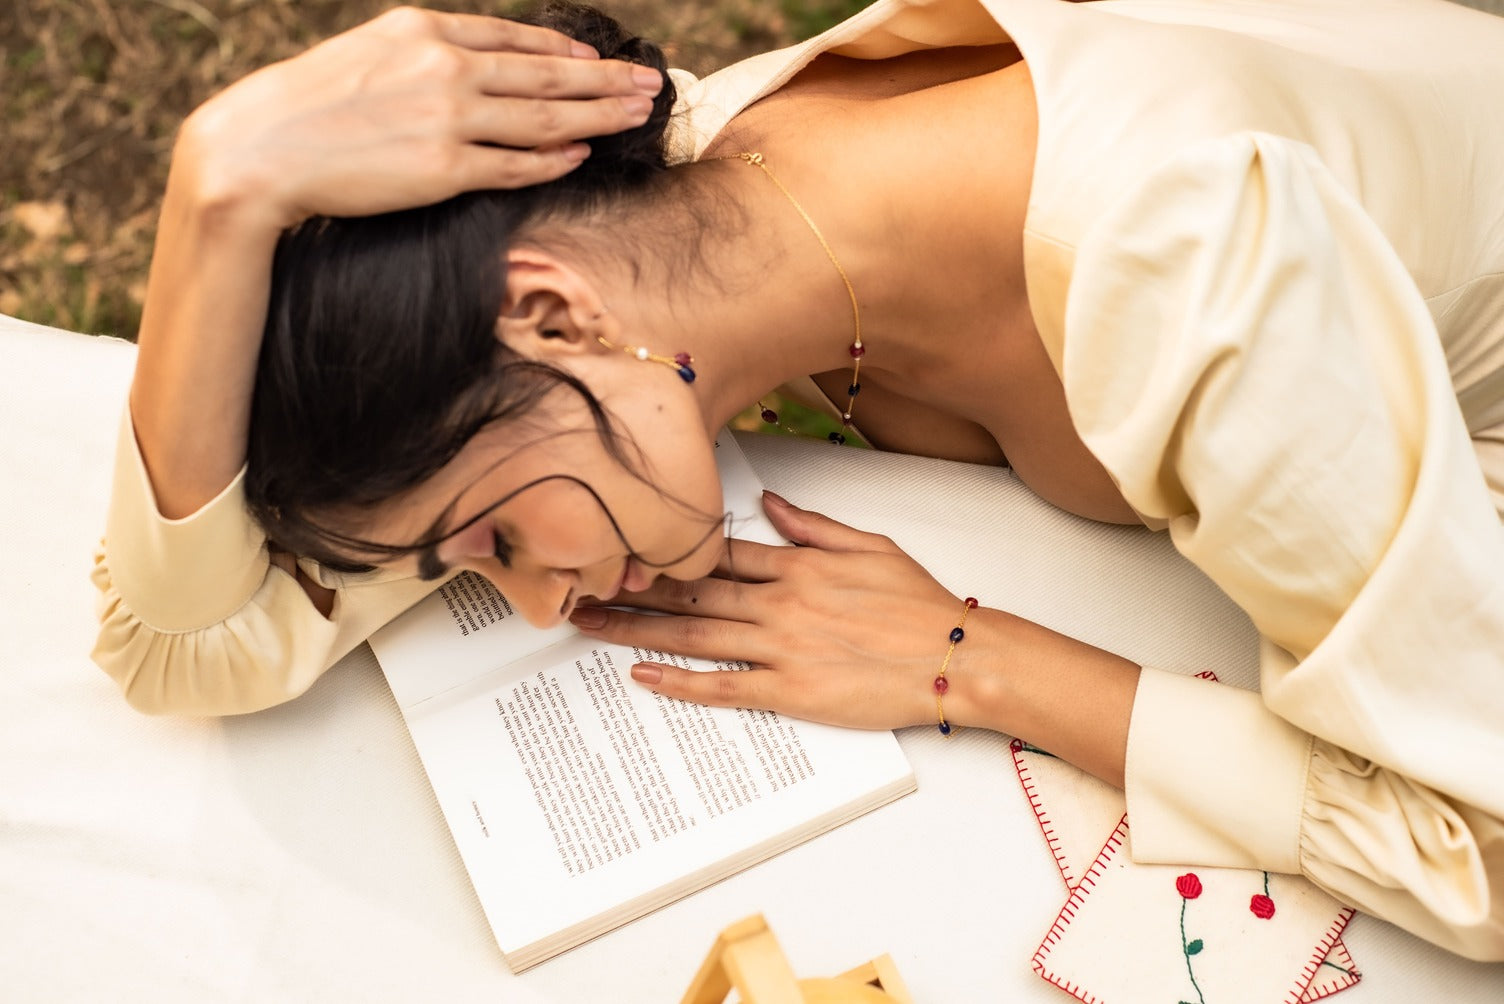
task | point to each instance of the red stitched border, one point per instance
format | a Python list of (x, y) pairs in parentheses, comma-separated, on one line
[(1068, 912), (1323, 948), (1332, 940), (1016, 747), (1347, 980), (1329, 942)]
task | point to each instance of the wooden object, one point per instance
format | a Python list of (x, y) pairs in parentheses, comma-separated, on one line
[(747, 958)]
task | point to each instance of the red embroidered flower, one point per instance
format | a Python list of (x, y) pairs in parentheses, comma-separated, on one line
[(1261, 906), (1189, 887)]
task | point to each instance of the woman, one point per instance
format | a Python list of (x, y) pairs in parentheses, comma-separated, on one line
[(1178, 263)]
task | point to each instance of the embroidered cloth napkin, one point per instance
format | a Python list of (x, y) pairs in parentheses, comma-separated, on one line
[(1131, 932)]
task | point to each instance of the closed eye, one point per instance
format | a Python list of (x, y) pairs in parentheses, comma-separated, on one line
[(502, 550), (432, 567)]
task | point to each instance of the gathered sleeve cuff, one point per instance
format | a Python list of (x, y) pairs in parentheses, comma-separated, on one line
[(194, 617), (1215, 778), (1250, 360)]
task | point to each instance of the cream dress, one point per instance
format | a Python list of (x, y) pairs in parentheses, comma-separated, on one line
[(1250, 222)]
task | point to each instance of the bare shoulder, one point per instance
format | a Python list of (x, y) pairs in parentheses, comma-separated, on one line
[(848, 79), (865, 78)]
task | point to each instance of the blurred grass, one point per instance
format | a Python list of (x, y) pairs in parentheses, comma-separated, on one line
[(92, 92)]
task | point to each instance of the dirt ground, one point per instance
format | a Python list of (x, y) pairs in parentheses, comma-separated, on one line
[(92, 92)]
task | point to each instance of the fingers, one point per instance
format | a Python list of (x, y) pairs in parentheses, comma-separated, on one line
[(698, 637), (749, 688), (507, 73), (483, 167), (811, 529), (482, 32), (531, 100), (529, 122), (708, 597), (490, 81), (749, 561), (728, 592)]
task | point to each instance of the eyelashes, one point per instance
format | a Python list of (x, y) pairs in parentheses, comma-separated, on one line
[(502, 549), (430, 565)]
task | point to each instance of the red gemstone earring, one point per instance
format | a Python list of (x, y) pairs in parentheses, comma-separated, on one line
[(680, 362)]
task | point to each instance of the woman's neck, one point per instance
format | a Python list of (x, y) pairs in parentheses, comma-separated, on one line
[(920, 197)]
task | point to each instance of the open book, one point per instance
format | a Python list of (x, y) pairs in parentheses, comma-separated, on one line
[(580, 800)]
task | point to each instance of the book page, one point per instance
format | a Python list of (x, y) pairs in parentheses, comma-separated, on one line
[(579, 799), (572, 790)]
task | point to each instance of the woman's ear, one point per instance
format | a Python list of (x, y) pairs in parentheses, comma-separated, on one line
[(550, 309)]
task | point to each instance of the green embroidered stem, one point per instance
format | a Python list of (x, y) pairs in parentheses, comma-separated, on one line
[(1266, 883), (1328, 962), (1035, 749), (1185, 948)]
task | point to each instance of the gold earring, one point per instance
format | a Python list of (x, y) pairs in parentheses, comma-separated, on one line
[(680, 362)]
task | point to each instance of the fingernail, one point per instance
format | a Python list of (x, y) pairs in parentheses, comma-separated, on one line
[(576, 152), (650, 675), (647, 79), (589, 618), (637, 105), (776, 499), (582, 51)]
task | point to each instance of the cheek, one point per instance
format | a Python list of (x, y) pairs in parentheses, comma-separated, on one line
[(698, 537), (568, 531)]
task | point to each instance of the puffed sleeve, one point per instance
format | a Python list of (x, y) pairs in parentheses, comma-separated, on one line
[(1248, 357), (196, 620)]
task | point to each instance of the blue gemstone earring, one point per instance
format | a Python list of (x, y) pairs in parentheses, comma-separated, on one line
[(680, 362)]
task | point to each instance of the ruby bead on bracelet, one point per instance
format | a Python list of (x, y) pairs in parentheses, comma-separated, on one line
[(942, 685)]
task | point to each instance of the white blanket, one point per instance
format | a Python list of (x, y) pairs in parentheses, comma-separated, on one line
[(298, 854)]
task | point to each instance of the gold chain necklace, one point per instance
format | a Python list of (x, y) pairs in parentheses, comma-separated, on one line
[(856, 350)]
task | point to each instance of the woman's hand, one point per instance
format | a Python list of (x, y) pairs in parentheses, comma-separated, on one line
[(408, 109), (846, 629), (849, 630)]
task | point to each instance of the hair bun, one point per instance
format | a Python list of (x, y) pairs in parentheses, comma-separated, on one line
[(640, 150)]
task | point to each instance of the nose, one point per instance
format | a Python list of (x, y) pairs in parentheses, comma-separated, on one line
[(540, 597)]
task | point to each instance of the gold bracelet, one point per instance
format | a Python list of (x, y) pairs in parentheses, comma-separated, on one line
[(941, 683)]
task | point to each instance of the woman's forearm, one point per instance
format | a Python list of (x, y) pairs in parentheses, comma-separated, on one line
[(1073, 699), (200, 333)]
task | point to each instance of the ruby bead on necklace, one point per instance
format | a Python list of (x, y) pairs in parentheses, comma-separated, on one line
[(856, 349)]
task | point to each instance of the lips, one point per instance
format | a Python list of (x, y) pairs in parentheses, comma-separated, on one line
[(637, 578), (634, 578)]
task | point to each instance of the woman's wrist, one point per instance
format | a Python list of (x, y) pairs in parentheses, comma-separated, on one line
[(1013, 676), (977, 695), (225, 193)]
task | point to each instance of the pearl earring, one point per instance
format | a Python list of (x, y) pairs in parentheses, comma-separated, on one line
[(679, 362)]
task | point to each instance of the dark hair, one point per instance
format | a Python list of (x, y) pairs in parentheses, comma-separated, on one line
[(380, 359)]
